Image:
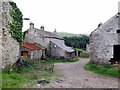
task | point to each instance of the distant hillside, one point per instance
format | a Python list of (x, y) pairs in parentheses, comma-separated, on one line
[(65, 34)]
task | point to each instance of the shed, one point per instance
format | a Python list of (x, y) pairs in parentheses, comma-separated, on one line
[(64, 51), (31, 51)]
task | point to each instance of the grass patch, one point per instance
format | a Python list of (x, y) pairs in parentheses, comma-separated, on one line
[(27, 76), (14, 80), (62, 60), (0, 79), (106, 70)]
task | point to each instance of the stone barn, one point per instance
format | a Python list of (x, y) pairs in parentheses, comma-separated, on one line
[(105, 41), (45, 38), (31, 51)]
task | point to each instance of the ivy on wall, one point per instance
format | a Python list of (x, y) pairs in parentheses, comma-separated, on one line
[(17, 23)]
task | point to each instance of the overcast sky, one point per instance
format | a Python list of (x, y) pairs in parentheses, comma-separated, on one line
[(73, 16)]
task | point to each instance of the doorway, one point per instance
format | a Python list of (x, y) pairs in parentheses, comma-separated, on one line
[(116, 52)]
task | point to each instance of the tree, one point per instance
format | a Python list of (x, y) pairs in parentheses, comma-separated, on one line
[(77, 42)]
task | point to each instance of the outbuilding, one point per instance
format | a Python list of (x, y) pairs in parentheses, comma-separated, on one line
[(31, 51)]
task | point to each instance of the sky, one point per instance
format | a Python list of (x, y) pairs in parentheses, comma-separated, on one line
[(73, 16)]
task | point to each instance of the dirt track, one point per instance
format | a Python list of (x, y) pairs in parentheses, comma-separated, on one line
[(74, 76)]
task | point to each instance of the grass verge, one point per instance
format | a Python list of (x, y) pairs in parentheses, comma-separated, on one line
[(27, 76), (105, 70)]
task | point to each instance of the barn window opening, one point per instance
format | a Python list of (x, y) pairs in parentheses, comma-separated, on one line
[(116, 52), (118, 31)]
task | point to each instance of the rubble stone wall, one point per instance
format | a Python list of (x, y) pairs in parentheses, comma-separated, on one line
[(9, 47)]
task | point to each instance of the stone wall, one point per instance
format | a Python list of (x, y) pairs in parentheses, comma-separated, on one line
[(37, 54), (102, 41), (85, 54), (0, 34), (56, 51), (8, 45)]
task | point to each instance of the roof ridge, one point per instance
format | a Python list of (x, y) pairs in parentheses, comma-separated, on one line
[(50, 34)]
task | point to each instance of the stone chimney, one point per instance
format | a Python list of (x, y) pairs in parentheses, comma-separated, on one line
[(55, 31), (31, 25), (42, 28), (99, 25)]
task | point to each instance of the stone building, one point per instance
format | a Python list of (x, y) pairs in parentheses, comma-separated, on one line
[(31, 51), (104, 41), (59, 49), (53, 43), (9, 47)]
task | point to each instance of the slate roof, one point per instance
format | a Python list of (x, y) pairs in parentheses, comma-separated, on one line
[(31, 46), (112, 24), (47, 34), (63, 46)]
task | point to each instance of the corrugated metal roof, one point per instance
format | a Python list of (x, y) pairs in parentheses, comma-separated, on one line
[(31, 46)]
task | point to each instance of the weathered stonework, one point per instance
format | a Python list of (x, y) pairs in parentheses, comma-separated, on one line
[(0, 34), (102, 41), (9, 47)]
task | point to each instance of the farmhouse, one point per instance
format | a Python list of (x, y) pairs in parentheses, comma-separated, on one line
[(53, 43), (105, 41)]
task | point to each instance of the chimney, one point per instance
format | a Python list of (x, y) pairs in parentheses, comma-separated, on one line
[(55, 32), (99, 25), (42, 28), (31, 25)]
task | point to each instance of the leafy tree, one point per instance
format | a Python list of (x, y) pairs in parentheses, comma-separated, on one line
[(77, 42)]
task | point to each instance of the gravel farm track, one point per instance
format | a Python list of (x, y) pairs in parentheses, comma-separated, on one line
[(75, 76)]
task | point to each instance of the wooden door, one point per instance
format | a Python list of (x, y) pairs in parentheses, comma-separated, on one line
[(24, 53)]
